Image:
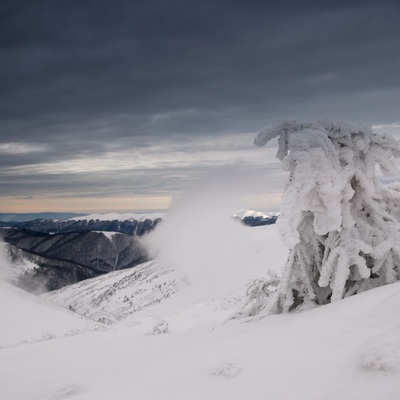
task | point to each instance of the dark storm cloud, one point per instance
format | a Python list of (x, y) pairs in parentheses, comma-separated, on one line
[(82, 78)]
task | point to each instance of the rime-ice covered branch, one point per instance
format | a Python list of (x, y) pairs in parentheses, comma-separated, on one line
[(339, 221)]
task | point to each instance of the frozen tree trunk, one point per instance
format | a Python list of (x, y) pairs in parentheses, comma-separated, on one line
[(339, 222)]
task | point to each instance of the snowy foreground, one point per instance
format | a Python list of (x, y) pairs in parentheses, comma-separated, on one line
[(347, 350)]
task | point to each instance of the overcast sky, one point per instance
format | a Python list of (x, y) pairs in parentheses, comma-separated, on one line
[(119, 105)]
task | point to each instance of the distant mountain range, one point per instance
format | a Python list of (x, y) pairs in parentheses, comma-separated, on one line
[(131, 224), (133, 227), (70, 250), (66, 258), (14, 217)]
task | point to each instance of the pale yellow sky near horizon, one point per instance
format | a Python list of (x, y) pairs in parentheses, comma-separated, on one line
[(92, 205), (84, 204)]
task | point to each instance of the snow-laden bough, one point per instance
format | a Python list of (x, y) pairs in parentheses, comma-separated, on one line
[(340, 223)]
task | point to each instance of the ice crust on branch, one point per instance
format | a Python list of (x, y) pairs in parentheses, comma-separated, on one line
[(339, 221)]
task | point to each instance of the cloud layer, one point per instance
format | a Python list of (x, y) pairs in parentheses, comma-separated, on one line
[(141, 97)]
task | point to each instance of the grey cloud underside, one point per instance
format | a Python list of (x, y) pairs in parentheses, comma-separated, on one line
[(86, 78), (133, 182), (157, 181)]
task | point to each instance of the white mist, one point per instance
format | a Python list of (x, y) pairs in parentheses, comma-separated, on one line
[(199, 236)]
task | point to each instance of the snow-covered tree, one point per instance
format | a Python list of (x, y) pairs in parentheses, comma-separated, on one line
[(339, 221), (257, 295)]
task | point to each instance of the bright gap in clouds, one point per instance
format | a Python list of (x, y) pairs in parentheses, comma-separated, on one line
[(20, 148), (130, 179)]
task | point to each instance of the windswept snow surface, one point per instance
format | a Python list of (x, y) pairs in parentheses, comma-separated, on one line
[(346, 350), (115, 296), (27, 319), (181, 343)]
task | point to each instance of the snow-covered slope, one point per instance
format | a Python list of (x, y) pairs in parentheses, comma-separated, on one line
[(346, 350), (115, 296), (220, 273), (26, 318)]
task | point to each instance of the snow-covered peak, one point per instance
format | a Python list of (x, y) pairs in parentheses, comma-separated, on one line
[(119, 217), (255, 214), (243, 213)]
